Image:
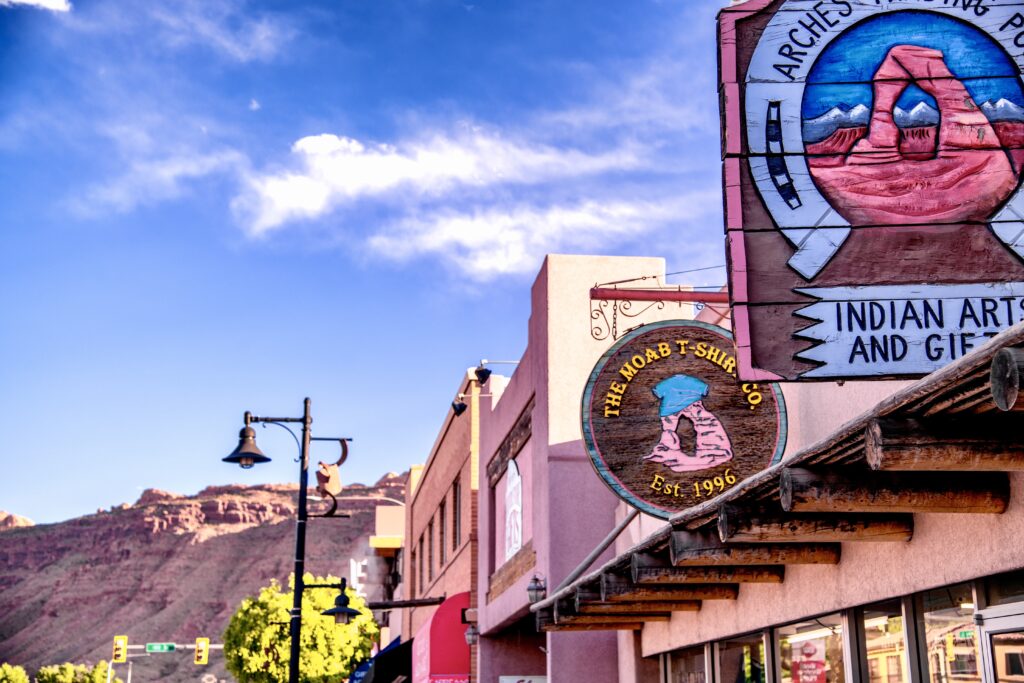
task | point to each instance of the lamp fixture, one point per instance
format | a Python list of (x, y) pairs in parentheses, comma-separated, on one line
[(472, 635), (537, 589), (341, 612), (483, 373), (459, 406), (246, 453)]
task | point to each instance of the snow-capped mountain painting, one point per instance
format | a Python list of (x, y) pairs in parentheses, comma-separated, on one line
[(920, 115), (1003, 110), (817, 129)]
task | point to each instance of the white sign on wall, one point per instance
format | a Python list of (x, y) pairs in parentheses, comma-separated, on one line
[(513, 510), (357, 576)]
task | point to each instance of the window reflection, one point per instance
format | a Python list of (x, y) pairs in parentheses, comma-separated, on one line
[(951, 637), (741, 660), (687, 666), (1005, 588), (811, 651), (885, 644), (1008, 657)]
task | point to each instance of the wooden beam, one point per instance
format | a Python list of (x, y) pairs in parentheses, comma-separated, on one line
[(693, 549), (803, 490), (741, 525), (644, 607), (617, 588), (947, 446), (553, 627), (544, 618), (615, 294), (1004, 377), (612, 618), (647, 570)]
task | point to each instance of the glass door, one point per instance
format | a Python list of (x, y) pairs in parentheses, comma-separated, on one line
[(1002, 631)]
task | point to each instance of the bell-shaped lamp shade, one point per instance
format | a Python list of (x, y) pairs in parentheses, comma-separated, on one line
[(247, 453), (341, 612), (482, 374), (537, 589), (458, 407)]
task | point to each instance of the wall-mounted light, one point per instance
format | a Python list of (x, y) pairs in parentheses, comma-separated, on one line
[(472, 635), (537, 589), (483, 373), (459, 406)]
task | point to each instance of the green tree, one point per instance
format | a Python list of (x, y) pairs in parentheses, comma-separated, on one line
[(12, 674), (256, 642), (73, 673)]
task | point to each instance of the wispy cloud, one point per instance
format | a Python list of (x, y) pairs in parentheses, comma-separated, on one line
[(333, 170), (159, 158), (52, 5), (148, 181), (232, 29), (496, 241), (227, 26)]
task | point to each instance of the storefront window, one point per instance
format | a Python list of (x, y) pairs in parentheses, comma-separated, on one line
[(811, 651), (1008, 657), (687, 666), (885, 643), (1005, 588), (741, 660), (951, 637)]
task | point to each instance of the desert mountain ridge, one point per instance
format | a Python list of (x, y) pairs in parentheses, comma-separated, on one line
[(167, 568)]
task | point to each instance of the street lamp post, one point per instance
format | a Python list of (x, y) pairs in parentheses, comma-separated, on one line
[(247, 454)]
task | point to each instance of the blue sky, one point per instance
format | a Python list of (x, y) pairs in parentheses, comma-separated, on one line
[(209, 206)]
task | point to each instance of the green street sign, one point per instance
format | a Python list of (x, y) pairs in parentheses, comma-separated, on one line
[(965, 635), (159, 647)]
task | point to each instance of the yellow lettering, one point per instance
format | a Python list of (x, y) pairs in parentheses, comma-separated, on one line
[(702, 350), (613, 400), (729, 365), (664, 349), (638, 361), (658, 482), (628, 372), (608, 412), (651, 355), (683, 343), (618, 388), (715, 355)]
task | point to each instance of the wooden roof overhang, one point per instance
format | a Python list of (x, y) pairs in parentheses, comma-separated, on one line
[(940, 445)]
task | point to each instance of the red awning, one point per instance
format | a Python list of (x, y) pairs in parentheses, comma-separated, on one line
[(439, 650)]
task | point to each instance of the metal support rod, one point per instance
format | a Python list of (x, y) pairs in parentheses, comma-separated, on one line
[(295, 630), (596, 552)]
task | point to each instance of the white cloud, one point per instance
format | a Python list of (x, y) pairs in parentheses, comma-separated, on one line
[(52, 5), (502, 241), (154, 179), (254, 105), (334, 170)]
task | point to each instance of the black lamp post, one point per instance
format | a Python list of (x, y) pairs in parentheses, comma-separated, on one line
[(247, 454)]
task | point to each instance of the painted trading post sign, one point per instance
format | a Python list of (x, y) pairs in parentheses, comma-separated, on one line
[(872, 163), (666, 422)]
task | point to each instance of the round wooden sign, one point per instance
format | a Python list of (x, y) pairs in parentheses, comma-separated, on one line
[(667, 424)]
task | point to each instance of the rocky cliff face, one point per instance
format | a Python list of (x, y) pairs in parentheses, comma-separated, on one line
[(169, 568)]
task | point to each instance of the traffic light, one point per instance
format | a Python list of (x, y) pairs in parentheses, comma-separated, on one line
[(202, 651), (120, 649)]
